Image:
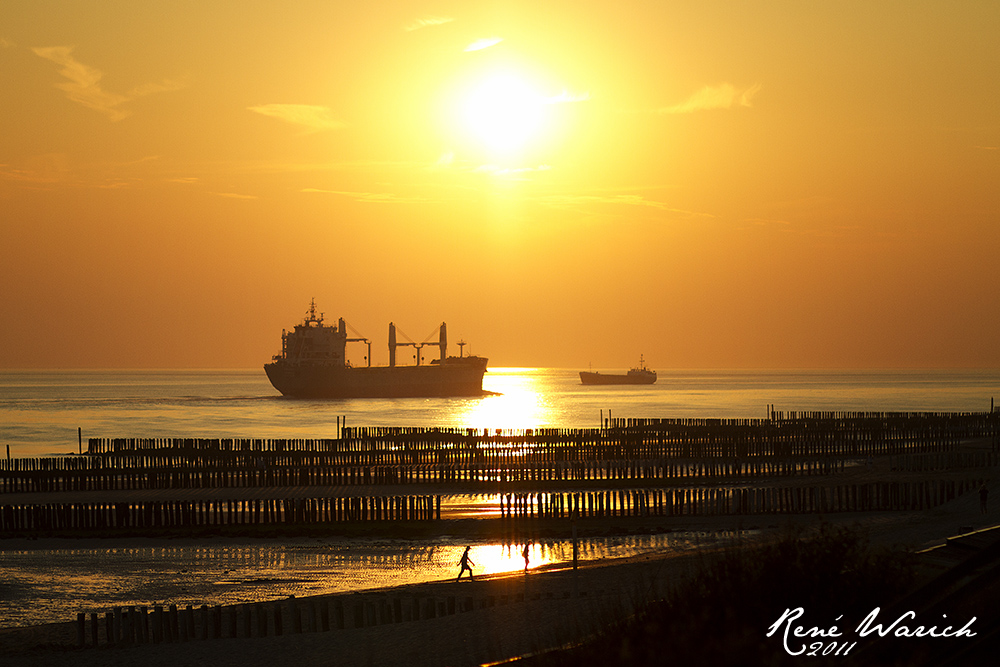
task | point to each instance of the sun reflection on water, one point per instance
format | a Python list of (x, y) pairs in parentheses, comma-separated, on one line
[(519, 402), (501, 558), (47, 584)]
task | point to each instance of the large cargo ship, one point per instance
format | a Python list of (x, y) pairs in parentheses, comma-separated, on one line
[(313, 364), (638, 375)]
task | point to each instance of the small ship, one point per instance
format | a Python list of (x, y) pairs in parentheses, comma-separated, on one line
[(313, 364), (638, 375)]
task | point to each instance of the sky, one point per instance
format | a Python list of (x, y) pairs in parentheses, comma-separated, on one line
[(770, 184)]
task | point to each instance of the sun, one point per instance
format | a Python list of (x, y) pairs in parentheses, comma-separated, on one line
[(503, 113)]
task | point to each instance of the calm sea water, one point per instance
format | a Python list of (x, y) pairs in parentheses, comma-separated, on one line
[(40, 411)]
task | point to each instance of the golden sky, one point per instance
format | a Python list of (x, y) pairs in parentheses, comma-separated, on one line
[(774, 184)]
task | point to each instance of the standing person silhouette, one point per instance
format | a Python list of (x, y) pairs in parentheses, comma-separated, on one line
[(466, 564), (527, 550)]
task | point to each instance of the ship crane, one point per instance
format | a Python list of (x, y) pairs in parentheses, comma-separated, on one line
[(441, 342), (360, 339)]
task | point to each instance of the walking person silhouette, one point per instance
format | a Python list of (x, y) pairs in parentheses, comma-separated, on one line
[(466, 564), (527, 550)]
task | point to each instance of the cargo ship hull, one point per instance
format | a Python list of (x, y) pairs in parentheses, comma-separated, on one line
[(604, 378), (449, 379), (313, 364)]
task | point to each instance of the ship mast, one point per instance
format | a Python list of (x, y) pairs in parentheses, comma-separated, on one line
[(311, 314)]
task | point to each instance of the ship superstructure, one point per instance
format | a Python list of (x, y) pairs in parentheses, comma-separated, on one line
[(313, 364)]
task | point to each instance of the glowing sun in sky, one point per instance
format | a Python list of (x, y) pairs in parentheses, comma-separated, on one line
[(503, 113)]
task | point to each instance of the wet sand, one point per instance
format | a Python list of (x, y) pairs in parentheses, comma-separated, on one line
[(545, 608)]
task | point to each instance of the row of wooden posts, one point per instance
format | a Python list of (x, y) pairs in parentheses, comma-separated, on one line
[(142, 625), (485, 476), (144, 517), (153, 515), (185, 477), (816, 433), (704, 501), (847, 436)]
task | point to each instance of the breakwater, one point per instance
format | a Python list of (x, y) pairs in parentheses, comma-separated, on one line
[(149, 517), (642, 451), (630, 468)]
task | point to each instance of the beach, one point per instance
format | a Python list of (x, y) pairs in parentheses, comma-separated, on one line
[(508, 615)]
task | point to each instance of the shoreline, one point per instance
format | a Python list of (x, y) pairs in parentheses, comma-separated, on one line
[(910, 529), (547, 608)]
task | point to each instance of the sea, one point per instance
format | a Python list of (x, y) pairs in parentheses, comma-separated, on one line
[(54, 413), (47, 412)]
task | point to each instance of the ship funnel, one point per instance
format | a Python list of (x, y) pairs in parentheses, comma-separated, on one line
[(443, 341), (392, 344)]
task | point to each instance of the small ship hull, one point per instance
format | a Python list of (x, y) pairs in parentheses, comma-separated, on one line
[(455, 377), (606, 378)]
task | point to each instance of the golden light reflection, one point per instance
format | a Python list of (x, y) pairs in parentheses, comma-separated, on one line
[(518, 403), (500, 558)]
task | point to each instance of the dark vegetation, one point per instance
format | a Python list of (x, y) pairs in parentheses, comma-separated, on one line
[(721, 616)]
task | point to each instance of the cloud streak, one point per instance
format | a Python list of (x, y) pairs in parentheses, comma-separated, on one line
[(484, 43), (234, 195), (508, 171), (428, 22), (371, 197), (723, 96), (312, 117), (566, 97), (83, 84), (573, 201)]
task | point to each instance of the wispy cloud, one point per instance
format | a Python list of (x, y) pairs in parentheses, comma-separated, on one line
[(312, 117), (43, 171), (84, 84), (723, 96), (372, 197), (428, 22), (50, 170), (234, 195), (484, 43), (509, 171), (6, 43), (568, 201), (566, 96)]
